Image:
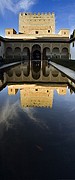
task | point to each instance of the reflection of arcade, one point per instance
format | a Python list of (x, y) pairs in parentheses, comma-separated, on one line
[(36, 55), (37, 95), (36, 68), (23, 73), (36, 52)]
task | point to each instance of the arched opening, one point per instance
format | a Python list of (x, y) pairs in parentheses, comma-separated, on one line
[(46, 53), (9, 53), (10, 73), (36, 55), (55, 73), (64, 53), (36, 52), (18, 72), (55, 53), (36, 61), (17, 53), (45, 64), (26, 54), (35, 75)]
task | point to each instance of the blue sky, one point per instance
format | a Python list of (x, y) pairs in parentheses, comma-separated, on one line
[(63, 9)]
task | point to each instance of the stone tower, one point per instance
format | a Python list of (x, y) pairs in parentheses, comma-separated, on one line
[(37, 24)]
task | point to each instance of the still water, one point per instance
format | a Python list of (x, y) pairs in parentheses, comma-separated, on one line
[(37, 127)]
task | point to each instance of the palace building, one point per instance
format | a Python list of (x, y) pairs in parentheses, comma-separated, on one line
[(36, 39)]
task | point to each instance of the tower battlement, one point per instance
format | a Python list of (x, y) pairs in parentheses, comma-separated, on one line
[(37, 14)]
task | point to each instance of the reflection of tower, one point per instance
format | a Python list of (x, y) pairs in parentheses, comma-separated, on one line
[(36, 96), (12, 90), (62, 90)]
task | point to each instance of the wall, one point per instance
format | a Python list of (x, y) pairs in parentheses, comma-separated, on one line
[(72, 50), (1, 49)]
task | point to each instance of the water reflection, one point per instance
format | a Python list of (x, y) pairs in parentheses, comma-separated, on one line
[(34, 73), (37, 125), (37, 95)]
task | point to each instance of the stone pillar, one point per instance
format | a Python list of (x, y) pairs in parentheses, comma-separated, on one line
[(21, 51), (41, 55), (60, 50), (30, 61), (51, 49), (13, 50)]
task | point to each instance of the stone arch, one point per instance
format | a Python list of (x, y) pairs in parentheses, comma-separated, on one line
[(36, 65), (10, 73), (55, 53), (46, 53), (65, 53), (18, 72), (55, 73), (9, 52), (17, 53), (65, 50), (36, 52), (26, 53)]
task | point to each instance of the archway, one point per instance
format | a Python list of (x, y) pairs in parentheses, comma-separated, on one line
[(17, 53), (55, 53), (9, 53), (26, 53), (36, 52), (36, 55), (64, 53), (36, 59)]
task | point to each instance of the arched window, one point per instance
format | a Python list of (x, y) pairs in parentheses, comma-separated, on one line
[(36, 52), (26, 53), (64, 53), (17, 53), (55, 53), (9, 52)]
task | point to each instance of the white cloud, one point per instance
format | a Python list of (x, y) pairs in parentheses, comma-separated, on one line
[(15, 7), (8, 112), (32, 114)]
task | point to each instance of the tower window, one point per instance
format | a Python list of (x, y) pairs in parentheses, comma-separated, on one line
[(8, 32), (49, 31), (73, 44), (36, 32)]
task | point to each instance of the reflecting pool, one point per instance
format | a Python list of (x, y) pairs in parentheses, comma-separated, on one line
[(37, 125)]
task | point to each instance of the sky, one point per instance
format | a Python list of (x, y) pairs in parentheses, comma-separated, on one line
[(64, 12)]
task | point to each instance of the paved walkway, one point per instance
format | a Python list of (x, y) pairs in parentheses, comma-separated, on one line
[(68, 72), (9, 65)]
